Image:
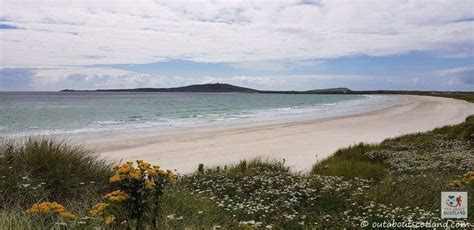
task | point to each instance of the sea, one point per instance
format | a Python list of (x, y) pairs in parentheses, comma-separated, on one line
[(24, 114)]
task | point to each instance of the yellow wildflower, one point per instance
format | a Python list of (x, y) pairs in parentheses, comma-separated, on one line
[(142, 165), (109, 219), (117, 196), (458, 182), (171, 177), (470, 173), (50, 207), (162, 172), (115, 178), (67, 214), (149, 184), (44, 208), (34, 209), (152, 172), (136, 174), (125, 168), (97, 209)]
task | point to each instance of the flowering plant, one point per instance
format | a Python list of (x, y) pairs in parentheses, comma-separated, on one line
[(137, 191), (468, 178)]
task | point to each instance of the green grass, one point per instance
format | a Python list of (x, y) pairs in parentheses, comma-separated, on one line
[(351, 163), (464, 131), (350, 169), (42, 169), (469, 97), (249, 166)]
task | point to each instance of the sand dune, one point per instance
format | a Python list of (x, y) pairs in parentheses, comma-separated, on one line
[(300, 143)]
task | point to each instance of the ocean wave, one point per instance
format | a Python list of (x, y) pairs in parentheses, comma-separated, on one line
[(216, 117), (108, 122)]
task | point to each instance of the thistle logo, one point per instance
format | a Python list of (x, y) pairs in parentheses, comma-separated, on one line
[(454, 205)]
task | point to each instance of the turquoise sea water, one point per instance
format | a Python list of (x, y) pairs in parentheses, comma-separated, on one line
[(44, 113)]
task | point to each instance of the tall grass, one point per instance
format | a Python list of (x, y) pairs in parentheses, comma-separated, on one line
[(42, 169), (351, 163), (257, 163)]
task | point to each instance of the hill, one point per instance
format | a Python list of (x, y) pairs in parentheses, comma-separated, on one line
[(216, 88), (205, 88), (227, 88)]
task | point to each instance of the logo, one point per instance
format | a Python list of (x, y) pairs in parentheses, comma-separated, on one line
[(453, 205), (454, 201)]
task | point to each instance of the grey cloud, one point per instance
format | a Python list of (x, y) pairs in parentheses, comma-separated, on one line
[(230, 31)]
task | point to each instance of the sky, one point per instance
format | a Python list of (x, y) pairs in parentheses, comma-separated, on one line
[(268, 45)]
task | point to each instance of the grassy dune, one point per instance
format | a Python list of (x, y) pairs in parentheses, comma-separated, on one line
[(398, 179), (460, 96)]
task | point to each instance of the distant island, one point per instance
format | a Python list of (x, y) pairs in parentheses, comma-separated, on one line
[(216, 88), (227, 88)]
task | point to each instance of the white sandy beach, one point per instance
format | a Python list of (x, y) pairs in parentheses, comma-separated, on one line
[(300, 143)]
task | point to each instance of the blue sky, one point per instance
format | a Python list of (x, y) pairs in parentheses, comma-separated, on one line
[(358, 65), (286, 45)]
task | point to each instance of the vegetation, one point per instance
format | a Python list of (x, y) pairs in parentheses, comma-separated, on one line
[(456, 95), (419, 166), (52, 185), (137, 195), (34, 170)]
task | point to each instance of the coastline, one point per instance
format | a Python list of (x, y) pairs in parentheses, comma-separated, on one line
[(300, 143)]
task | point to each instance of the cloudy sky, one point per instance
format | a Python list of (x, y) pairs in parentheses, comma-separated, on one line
[(281, 45)]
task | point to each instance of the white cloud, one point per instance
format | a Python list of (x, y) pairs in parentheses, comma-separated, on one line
[(291, 82), (88, 78), (60, 33), (455, 71), (459, 76)]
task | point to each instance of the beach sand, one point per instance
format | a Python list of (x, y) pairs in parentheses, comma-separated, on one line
[(301, 143)]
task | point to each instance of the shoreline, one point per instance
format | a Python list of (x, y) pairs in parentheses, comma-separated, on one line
[(112, 126), (300, 143), (92, 138)]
